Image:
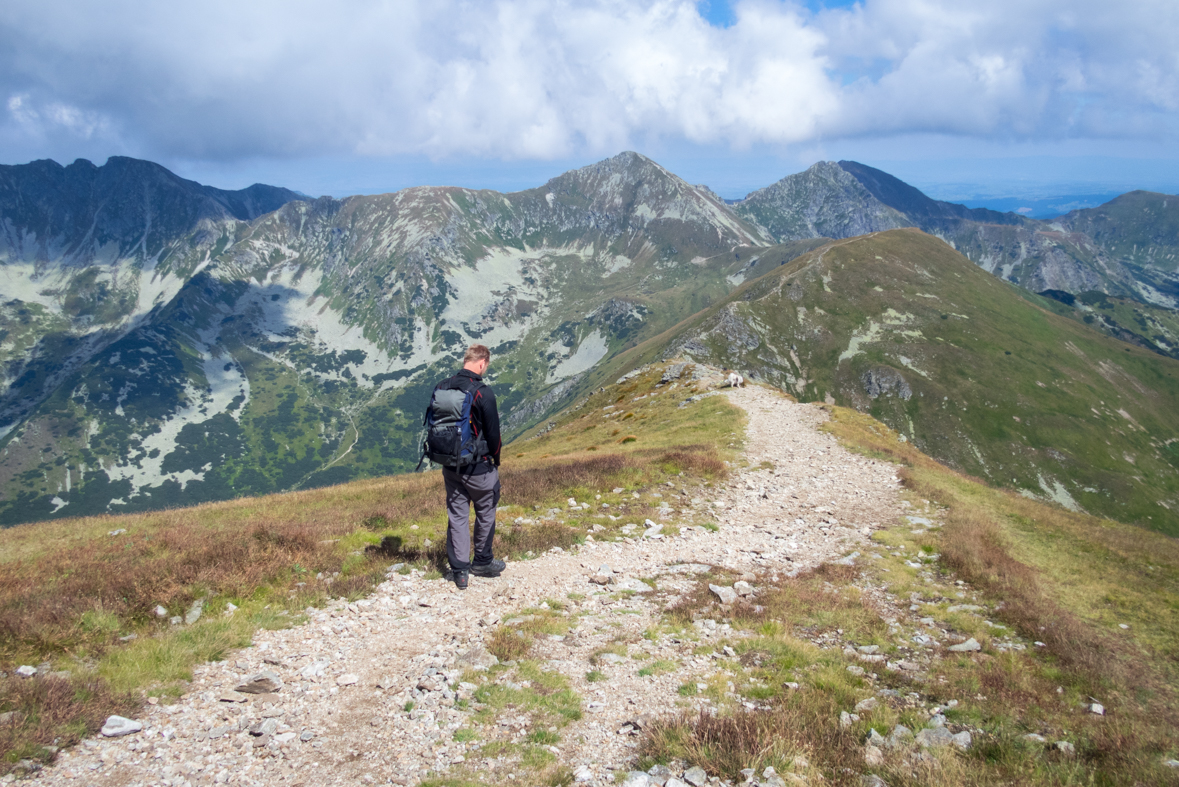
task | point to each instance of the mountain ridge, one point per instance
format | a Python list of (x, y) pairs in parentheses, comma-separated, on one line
[(1037, 255), (337, 315), (297, 348), (975, 373)]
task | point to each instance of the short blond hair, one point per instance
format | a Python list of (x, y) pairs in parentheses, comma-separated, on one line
[(477, 352)]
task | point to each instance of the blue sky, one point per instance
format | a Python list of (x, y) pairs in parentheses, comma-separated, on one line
[(1031, 98)]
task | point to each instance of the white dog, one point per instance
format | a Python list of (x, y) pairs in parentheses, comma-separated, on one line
[(736, 380)]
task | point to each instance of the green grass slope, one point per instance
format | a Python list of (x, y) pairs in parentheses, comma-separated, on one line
[(899, 325)]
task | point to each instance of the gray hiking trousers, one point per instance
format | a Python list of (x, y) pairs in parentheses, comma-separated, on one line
[(462, 492)]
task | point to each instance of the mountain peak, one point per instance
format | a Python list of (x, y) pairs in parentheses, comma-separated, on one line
[(628, 165), (823, 201)]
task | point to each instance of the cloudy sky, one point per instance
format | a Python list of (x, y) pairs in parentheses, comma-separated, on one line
[(357, 96)]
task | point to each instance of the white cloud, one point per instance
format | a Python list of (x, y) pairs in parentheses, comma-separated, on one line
[(548, 78)]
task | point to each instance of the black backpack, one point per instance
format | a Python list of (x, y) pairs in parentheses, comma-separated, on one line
[(452, 439)]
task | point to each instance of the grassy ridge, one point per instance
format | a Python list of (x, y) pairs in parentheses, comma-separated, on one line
[(900, 326)]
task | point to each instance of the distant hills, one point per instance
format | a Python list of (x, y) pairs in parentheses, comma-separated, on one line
[(165, 343), (1125, 248)]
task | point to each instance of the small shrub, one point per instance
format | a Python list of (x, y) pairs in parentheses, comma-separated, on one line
[(507, 644)]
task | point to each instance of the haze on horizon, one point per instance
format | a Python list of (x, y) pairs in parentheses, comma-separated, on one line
[(1020, 99)]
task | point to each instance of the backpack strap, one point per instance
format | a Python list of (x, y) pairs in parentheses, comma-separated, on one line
[(425, 425)]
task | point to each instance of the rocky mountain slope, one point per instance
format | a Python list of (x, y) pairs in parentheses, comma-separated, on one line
[(87, 252), (1125, 248), (967, 367), (299, 348)]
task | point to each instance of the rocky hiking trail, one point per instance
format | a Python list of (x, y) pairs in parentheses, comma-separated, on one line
[(373, 691)]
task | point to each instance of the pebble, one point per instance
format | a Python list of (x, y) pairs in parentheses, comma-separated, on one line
[(696, 776), (266, 682), (965, 647), (26, 671), (901, 736), (118, 726), (725, 595), (934, 737), (633, 585), (1066, 748)]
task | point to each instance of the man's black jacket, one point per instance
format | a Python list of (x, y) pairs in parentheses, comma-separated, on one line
[(484, 414)]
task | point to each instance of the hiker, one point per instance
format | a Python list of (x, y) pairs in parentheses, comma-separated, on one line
[(462, 435)]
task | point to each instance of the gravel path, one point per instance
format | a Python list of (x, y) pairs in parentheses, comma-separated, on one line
[(347, 674)]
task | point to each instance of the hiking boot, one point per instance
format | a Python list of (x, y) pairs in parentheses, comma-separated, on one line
[(460, 578), (492, 569)]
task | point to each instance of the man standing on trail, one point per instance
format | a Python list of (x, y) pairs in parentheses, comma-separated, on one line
[(463, 436)]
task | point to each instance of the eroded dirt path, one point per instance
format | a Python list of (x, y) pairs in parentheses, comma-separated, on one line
[(340, 716)]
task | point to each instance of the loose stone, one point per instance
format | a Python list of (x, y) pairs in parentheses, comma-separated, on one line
[(118, 726), (725, 595)]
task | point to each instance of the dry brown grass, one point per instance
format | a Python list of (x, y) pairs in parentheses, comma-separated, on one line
[(172, 558), (977, 547), (725, 744), (43, 601), (1064, 579), (507, 644), (54, 710)]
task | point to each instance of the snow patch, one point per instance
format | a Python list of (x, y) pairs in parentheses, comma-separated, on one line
[(298, 306), (861, 336), (592, 349), (224, 385), (1056, 492)]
